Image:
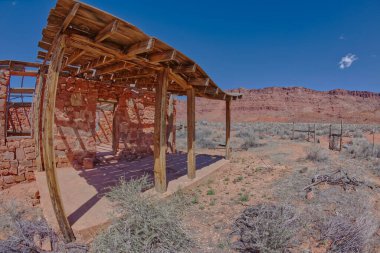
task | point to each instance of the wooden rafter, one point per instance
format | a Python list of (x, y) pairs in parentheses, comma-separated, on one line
[(107, 31)]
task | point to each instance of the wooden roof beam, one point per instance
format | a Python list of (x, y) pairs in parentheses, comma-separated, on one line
[(185, 69), (140, 48), (179, 80), (96, 63), (163, 56), (107, 31), (113, 68), (74, 57), (70, 17), (199, 81)]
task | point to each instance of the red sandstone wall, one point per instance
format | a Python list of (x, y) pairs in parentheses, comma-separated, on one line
[(77, 130), (17, 155)]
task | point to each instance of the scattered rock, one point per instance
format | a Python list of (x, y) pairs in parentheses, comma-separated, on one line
[(46, 244), (310, 195)]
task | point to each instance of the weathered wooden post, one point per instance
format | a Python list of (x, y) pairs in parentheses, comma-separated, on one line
[(228, 128), (48, 137), (293, 131), (373, 140), (330, 145), (308, 132), (315, 133), (191, 162), (160, 132), (341, 135)]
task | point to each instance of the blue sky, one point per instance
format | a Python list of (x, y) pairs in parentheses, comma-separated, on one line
[(249, 44)]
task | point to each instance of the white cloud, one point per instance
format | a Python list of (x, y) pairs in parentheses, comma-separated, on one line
[(347, 61)]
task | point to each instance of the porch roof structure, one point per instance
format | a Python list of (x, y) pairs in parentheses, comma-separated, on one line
[(84, 42), (103, 47)]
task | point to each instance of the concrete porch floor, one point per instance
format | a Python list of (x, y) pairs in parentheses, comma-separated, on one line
[(83, 191)]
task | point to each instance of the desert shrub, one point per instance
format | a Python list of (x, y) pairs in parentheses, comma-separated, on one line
[(360, 148), (26, 230), (358, 133), (316, 154), (245, 133), (144, 223), (205, 143), (348, 235), (265, 228), (250, 142)]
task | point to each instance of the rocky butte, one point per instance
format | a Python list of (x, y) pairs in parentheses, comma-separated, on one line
[(288, 104)]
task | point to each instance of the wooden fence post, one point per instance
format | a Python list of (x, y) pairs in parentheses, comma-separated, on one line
[(293, 131), (341, 135), (315, 133)]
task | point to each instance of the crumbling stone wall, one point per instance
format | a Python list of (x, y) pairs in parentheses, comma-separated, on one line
[(17, 154), (130, 126)]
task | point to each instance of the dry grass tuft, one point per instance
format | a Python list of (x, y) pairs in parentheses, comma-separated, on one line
[(316, 154), (28, 231), (265, 228), (144, 223)]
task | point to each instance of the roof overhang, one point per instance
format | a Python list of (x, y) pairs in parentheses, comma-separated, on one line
[(103, 47)]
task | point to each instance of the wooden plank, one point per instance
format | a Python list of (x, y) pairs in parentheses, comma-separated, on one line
[(74, 57), (179, 80), (199, 81), (70, 17), (21, 90), (171, 125), (228, 128), (160, 132), (107, 31), (113, 68), (23, 73), (192, 68), (37, 121), (165, 56), (141, 47), (48, 138), (96, 63), (191, 164)]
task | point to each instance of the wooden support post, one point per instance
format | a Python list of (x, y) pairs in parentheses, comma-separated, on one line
[(171, 125), (341, 135), (37, 120), (228, 128), (48, 138), (315, 133), (308, 132), (373, 140), (330, 146), (293, 131), (191, 164), (160, 132)]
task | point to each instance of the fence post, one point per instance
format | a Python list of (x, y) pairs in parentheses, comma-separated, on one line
[(373, 140), (330, 138), (293, 131), (341, 135)]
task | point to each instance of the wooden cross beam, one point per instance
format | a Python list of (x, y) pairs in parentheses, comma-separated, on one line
[(107, 31), (199, 81), (163, 56), (192, 68)]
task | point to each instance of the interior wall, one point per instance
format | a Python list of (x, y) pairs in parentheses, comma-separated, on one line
[(79, 125)]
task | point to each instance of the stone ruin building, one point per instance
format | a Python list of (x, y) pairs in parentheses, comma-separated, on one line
[(101, 85)]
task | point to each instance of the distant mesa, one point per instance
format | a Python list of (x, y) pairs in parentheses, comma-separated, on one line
[(288, 104)]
